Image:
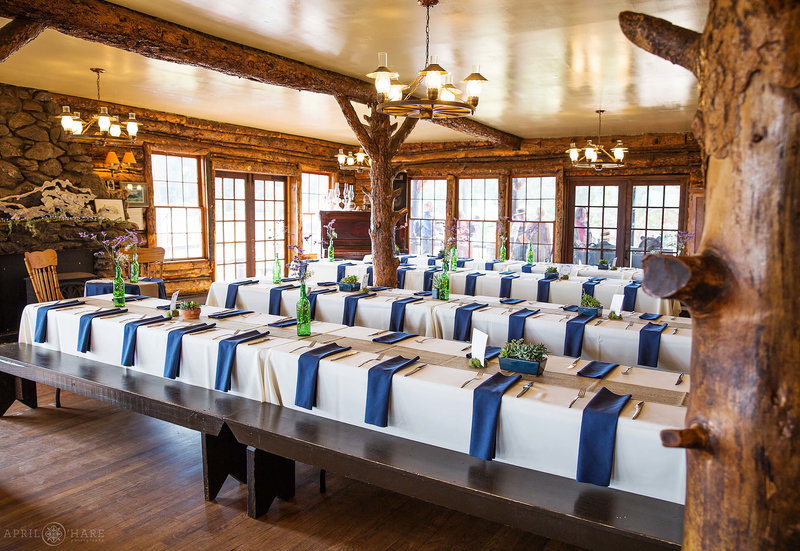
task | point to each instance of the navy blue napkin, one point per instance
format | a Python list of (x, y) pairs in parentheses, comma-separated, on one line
[(463, 322), (223, 315), (284, 323), (511, 300), (573, 339), (651, 317), (596, 370), (233, 290), (226, 353), (516, 323), (172, 361), (391, 338), (163, 307), (398, 315), (486, 400), (527, 268), (275, 298), (311, 260), (40, 332), (570, 308), (507, 272), (505, 285), (350, 305), (423, 293), (312, 300), (490, 265), (341, 269), (460, 262), (597, 279), (162, 288), (432, 261), (85, 326), (307, 369), (650, 343), (134, 298), (129, 337), (543, 290), (490, 353), (427, 279), (401, 277), (373, 289), (630, 291), (326, 283), (588, 287), (599, 436), (469, 283), (379, 386), (369, 276), (288, 279), (404, 258)]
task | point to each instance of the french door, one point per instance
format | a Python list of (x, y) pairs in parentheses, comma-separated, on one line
[(249, 214), (622, 219)]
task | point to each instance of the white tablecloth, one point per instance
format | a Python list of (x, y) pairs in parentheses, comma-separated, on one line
[(537, 431), (324, 270)]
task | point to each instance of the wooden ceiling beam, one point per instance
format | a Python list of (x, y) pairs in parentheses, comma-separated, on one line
[(136, 32), (15, 34)]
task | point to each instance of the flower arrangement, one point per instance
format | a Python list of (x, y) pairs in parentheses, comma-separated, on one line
[(519, 349), (683, 239), (188, 310), (188, 305), (330, 230), (112, 247), (299, 268)]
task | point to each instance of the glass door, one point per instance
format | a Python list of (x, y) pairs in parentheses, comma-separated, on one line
[(595, 223)]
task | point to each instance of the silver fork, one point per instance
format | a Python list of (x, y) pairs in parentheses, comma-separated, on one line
[(423, 339), (638, 409), (378, 333), (599, 322), (365, 362), (473, 379), (628, 370), (418, 368), (674, 330), (574, 363), (630, 324), (581, 394), (313, 343)]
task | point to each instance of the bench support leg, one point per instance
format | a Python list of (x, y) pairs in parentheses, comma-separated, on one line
[(14, 388), (268, 476), (222, 456)]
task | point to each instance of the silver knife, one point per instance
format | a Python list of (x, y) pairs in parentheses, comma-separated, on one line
[(638, 409), (680, 379), (525, 389), (674, 330)]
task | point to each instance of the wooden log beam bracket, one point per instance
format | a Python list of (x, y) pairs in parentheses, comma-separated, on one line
[(660, 37), (700, 281), (15, 34)]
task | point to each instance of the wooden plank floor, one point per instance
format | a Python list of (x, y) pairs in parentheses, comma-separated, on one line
[(137, 482)]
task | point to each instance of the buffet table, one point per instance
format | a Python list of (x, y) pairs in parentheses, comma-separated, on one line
[(537, 430)]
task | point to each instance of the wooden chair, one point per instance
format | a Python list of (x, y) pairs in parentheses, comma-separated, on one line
[(151, 261), (41, 267)]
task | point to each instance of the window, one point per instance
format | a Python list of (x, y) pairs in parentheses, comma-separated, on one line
[(178, 205), (477, 215), (314, 189), (533, 213), (655, 217), (595, 223), (249, 224), (426, 223)]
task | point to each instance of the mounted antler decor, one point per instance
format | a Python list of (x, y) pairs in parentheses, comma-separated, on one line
[(743, 484)]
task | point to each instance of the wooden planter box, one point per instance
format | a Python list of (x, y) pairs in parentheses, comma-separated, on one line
[(523, 366), (591, 310), (602, 266), (551, 275), (349, 287)]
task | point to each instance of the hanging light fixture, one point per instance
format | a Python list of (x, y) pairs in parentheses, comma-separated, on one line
[(443, 101), (102, 128), (595, 155), (358, 161)]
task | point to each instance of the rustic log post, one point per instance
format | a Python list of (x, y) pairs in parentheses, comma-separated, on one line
[(503, 213), (15, 34), (381, 146), (451, 211), (743, 481)]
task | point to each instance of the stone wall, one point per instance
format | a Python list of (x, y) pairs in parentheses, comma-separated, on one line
[(33, 148)]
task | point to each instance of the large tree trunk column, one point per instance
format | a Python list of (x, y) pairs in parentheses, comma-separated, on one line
[(743, 440), (381, 145)]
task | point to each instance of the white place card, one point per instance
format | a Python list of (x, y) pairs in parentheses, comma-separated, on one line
[(479, 341), (616, 303), (174, 302)]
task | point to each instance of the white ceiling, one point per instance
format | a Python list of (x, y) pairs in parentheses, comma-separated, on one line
[(550, 64)]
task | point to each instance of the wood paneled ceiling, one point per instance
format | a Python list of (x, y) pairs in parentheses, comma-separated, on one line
[(550, 64)]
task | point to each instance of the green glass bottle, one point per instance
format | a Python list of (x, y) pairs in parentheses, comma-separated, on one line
[(444, 283), (135, 269), (276, 271), (330, 250), (454, 259), (503, 250), (529, 258), (303, 313), (119, 288)]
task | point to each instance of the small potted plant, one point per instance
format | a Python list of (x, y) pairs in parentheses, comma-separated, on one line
[(614, 316), (551, 273), (590, 306), (565, 277), (349, 283), (520, 357), (613, 268), (189, 310), (602, 264)]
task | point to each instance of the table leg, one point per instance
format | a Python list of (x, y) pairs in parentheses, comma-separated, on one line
[(268, 476), (222, 456), (15, 388)]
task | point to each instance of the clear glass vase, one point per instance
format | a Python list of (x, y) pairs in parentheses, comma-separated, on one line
[(303, 313), (119, 288)]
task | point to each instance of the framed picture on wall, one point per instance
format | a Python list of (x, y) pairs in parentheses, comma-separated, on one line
[(137, 193), (137, 217), (109, 208)]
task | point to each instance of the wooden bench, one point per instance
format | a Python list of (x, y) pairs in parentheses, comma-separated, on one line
[(257, 444)]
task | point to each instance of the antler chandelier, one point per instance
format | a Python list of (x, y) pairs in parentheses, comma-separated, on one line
[(359, 161), (101, 127), (595, 155), (444, 99)]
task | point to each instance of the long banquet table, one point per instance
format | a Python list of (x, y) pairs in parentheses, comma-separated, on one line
[(615, 341), (537, 431)]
